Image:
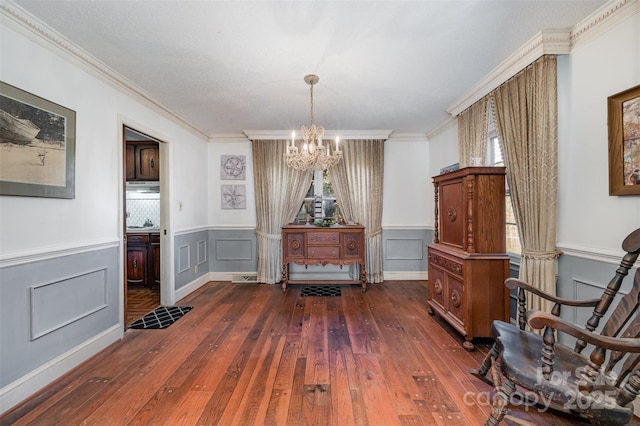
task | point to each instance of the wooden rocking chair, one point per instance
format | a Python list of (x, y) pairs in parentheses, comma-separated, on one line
[(600, 387)]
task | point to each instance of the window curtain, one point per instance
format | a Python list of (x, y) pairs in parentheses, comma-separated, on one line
[(280, 191), (525, 109), (357, 182), (472, 133)]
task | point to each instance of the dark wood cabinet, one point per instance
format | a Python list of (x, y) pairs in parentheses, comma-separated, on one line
[(467, 260), (154, 256), (313, 245), (143, 260), (142, 161)]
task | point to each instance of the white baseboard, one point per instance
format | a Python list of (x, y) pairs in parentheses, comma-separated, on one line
[(186, 290), (405, 275), (26, 386)]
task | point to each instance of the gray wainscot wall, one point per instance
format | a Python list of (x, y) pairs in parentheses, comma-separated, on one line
[(233, 251), (191, 257), (53, 307)]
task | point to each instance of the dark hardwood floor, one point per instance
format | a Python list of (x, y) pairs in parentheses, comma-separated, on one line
[(249, 354), (141, 301)]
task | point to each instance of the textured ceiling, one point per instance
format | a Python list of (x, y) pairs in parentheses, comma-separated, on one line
[(229, 66)]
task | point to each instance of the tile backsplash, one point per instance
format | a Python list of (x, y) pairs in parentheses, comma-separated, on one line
[(142, 209)]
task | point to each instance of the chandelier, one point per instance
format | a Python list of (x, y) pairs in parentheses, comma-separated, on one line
[(312, 155)]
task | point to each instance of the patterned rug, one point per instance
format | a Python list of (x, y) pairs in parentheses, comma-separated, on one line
[(321, 290), (161, 317)]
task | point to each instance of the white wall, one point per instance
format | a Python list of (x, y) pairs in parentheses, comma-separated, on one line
[(39, 224), (407, 181), (238, 217), (407, 192), (443, 151), (587, 216)]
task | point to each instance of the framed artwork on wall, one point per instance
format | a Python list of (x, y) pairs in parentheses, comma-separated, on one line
[(234, 197), (623, 111), (37, 146), (233, 167)]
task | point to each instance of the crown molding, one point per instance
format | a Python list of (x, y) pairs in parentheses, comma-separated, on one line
[(407, 137), (228, 137), (609, 15), (41, 33), (328, 134), (442, 128), (546, 42)]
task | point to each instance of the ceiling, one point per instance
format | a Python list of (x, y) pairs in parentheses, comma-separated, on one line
[(230, 66)]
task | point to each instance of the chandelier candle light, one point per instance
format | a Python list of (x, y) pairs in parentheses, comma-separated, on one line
[(313, 155)]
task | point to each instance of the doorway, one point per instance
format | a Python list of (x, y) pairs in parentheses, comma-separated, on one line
[(143, 224)]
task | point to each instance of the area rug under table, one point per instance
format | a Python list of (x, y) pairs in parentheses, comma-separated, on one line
[(161, 317)]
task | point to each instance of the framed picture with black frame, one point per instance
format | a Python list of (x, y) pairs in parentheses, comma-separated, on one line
[(37, 145)]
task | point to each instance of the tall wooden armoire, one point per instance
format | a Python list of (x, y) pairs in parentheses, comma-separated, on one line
[(468, 263)]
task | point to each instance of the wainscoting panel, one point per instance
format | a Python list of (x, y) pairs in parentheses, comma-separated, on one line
[(53, 306), (202, 252), (184, 258), (186, 243), (59, 303), (404, 252), (585, 278), (233, 250)]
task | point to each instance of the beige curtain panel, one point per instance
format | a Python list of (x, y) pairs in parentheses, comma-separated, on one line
[(473, 126), (280, 191), (357, 182), (525, 109)]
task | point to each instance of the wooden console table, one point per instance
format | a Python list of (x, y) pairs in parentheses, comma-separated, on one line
[(314, 245)]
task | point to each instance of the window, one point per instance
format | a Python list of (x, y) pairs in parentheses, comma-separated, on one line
[(320, 200), (497, 159)]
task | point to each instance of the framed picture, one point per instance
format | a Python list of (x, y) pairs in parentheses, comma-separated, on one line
[(233, 167), (624, 142), (37, 145), (234, 197)]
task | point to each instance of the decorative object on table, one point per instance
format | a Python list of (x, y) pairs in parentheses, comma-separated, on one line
[(624, 142), (450, 168), (233, 167), (325, 222), (161, 317), (37, 141), (234, 197), (313, 154)]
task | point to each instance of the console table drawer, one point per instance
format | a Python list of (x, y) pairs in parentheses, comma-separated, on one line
[(323, 237), (323, 252)]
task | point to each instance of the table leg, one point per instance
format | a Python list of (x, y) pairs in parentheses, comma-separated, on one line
[(285, 276)]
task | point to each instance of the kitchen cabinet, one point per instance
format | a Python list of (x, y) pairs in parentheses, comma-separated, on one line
[(467, 261), (154, 264), (143, 260), (142, 161)]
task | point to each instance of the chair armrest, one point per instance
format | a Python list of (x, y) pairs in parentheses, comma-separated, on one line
[(515, 283), (539, 319)]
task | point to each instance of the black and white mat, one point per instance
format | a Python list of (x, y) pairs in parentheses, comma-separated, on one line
[(321, 290), (161, 317)]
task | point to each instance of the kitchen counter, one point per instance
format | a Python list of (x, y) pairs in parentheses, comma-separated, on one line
[(143, 230)]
